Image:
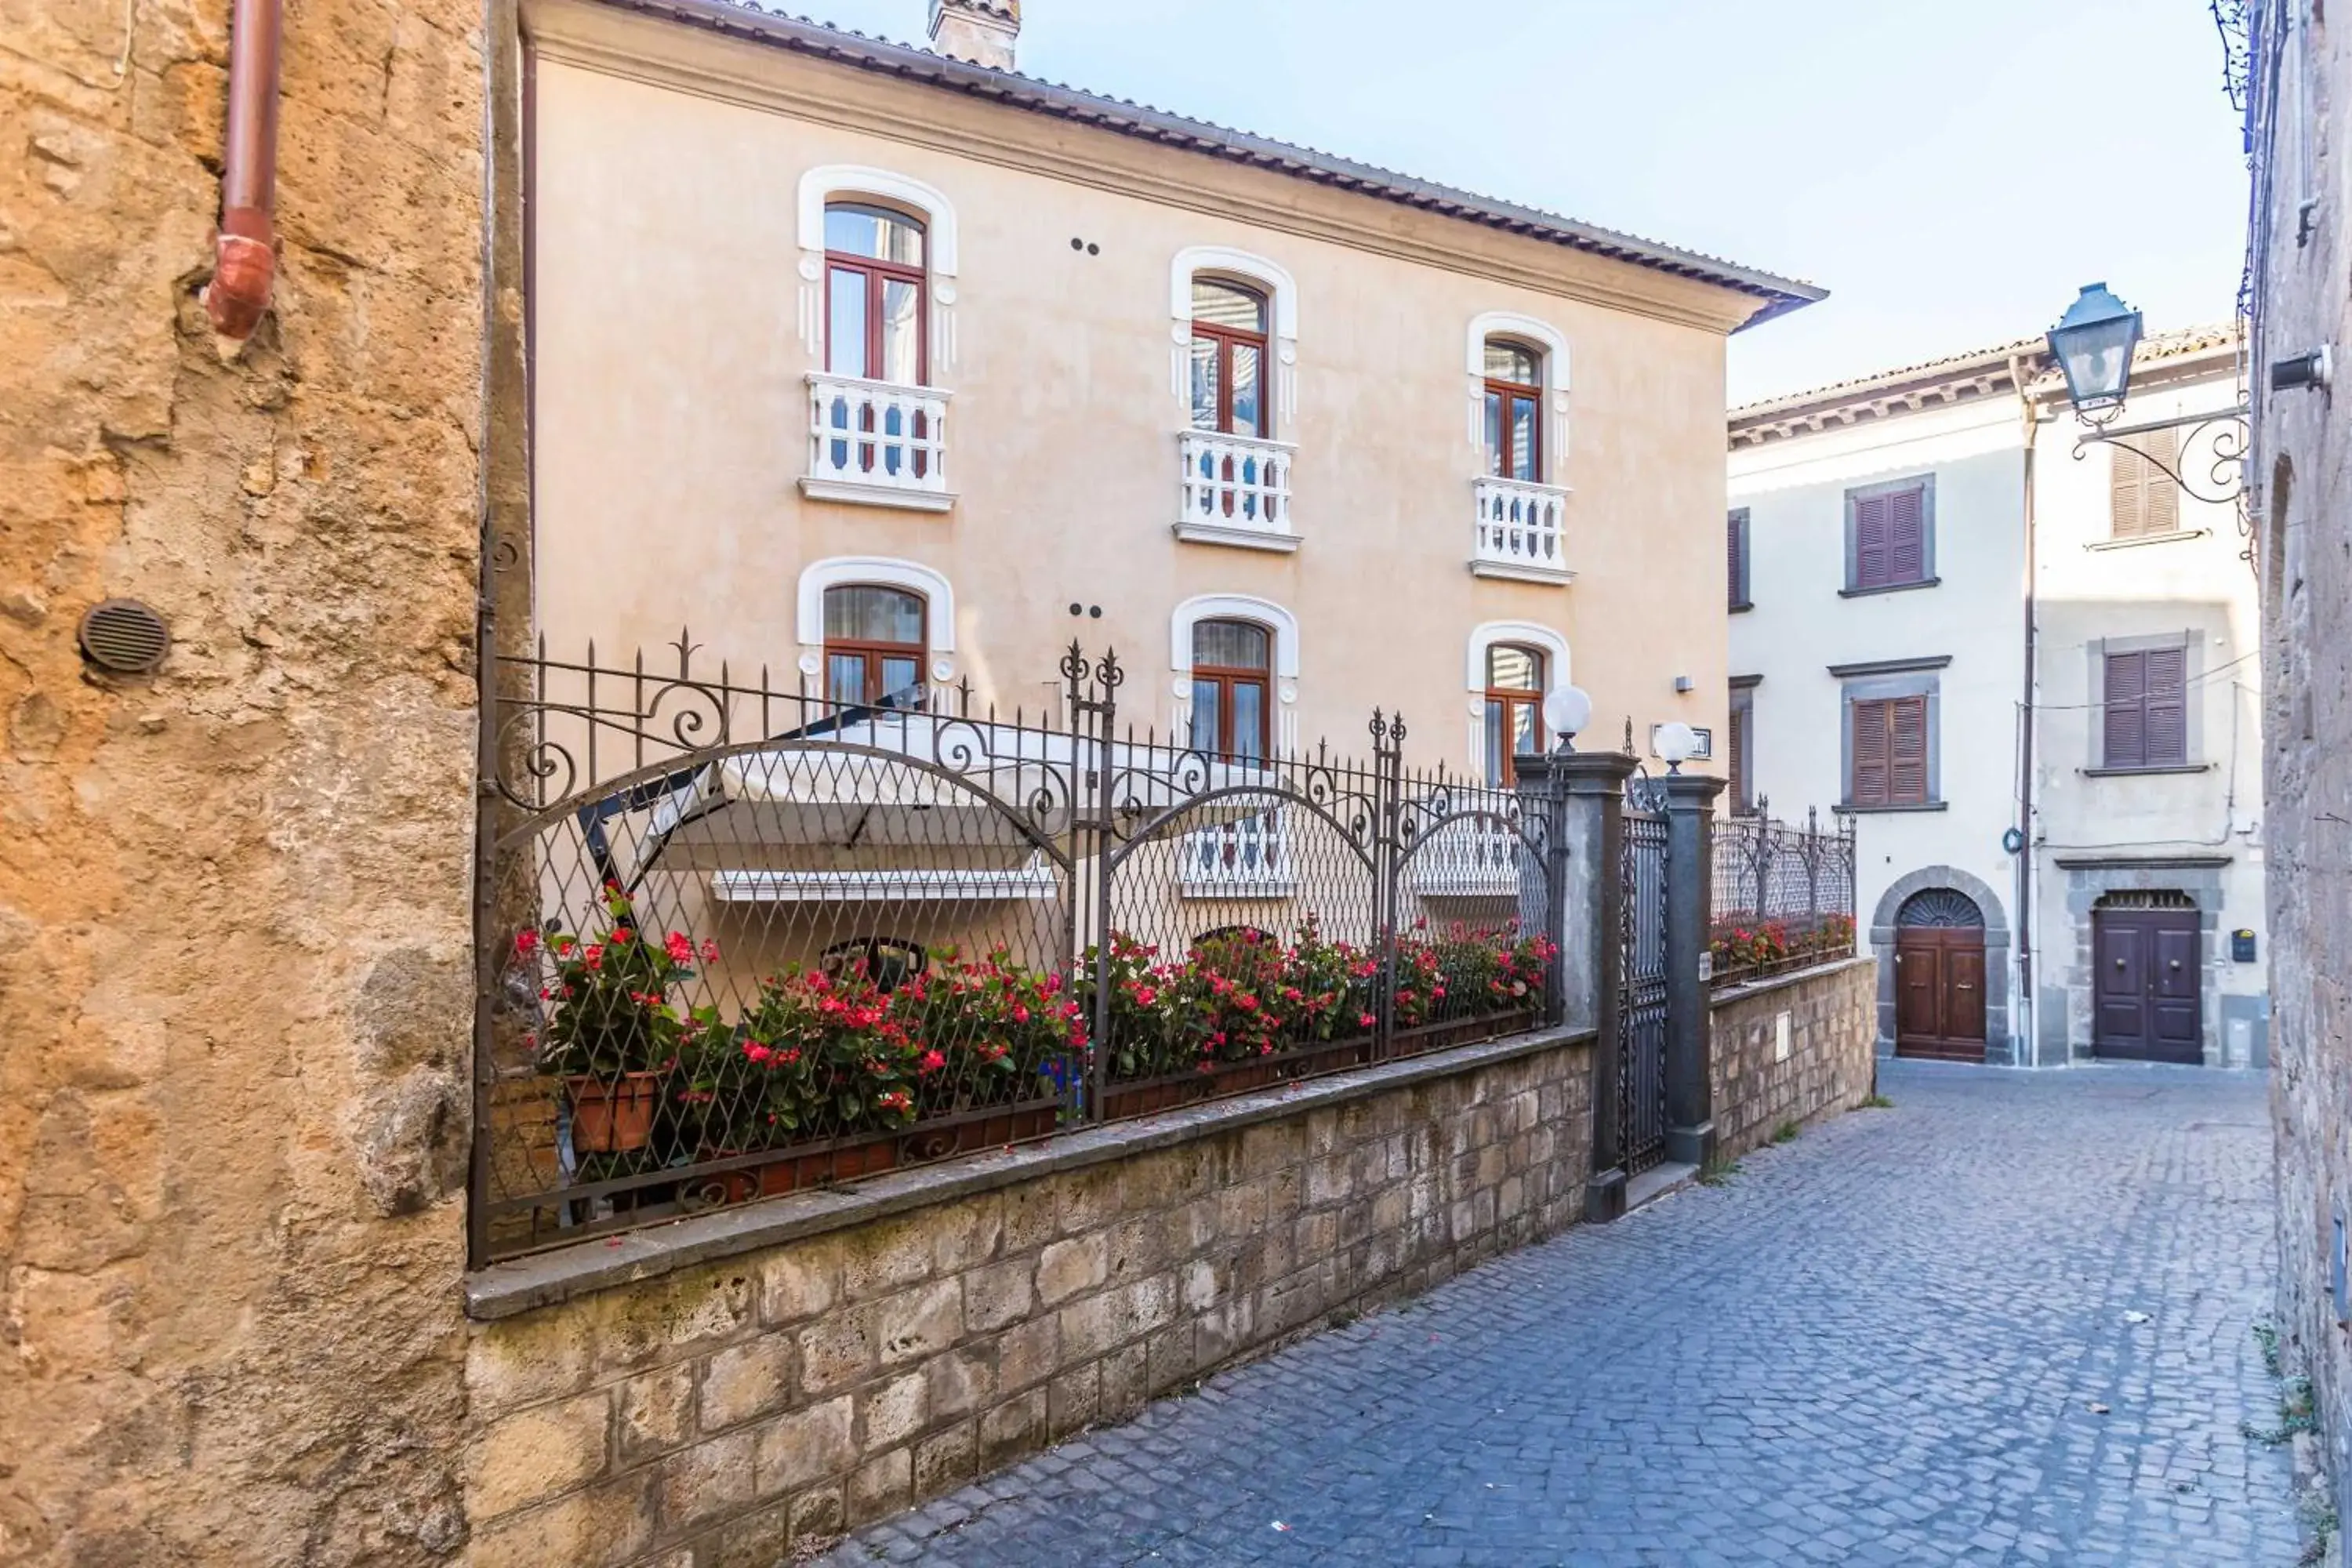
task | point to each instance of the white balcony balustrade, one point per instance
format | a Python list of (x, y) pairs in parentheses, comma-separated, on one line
[(877, 444), (1472, 857), (1236, 491), (1518, 532), (1249, 858)]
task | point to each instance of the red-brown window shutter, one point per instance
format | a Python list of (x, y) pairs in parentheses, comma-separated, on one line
[(2143, 500), (2124, 719), (2165, 727), (1734, 544), (1907, 772), (1870, 544), (1868, 785), (1907, 536)]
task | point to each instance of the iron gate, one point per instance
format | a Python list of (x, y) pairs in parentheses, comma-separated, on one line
[(1642, 1009)]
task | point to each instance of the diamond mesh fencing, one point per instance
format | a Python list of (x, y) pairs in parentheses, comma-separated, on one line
[(740, 941), (1784, 895)]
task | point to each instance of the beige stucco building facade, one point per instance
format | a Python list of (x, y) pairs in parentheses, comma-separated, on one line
[(684, 165), (2060, 640)]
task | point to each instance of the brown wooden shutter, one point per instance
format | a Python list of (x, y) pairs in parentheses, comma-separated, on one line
[(2166, 726), (1734, 544), (1742, 716), (2124, 719), (1868, 784), (1870, 543), (2142, 498), (1907, 536), (1907, 772)]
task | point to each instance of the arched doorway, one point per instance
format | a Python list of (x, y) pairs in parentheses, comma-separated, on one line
[(1939, 976)]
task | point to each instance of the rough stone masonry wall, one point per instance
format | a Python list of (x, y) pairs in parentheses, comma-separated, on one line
[(710, 1418), (2301, 471), (234, 985), (1830, 1064)]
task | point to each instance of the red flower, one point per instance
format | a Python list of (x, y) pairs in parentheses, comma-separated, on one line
[(895, 1100), (526, 942), (622, 933), (1366, 1021), (1145, 995), (593, 955), (932, 1062), (1019, 1014), (681, 951)]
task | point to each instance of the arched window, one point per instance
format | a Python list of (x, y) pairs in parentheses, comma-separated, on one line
[(1231, 682), (1514, 410), (874, 294), (1515, 694), (874, 645), (1229, 359)]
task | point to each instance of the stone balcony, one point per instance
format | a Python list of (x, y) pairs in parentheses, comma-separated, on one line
[(1518, 532), (1236, 491), (873, 443)]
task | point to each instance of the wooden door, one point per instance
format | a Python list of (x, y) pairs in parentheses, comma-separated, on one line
[(2148, 1004), (1939, 992)]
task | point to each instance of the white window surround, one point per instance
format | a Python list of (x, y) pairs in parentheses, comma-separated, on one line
[(1544, 335), (1527, 633), (846, 571), (1281, 290), (1238, 607), (839, 181)]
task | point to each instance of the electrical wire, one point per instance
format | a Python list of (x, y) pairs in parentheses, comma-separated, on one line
[(2198, 679)]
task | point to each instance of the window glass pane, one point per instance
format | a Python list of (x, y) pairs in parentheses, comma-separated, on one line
[(902, 683), (1204, 715), (845, 332), (845, 677), (1497, 724), (1495, 434), (1204, 383), (1249, 405), (1230, 645), (869, 614), (1510, 667), (1249, 720), (1523, 438), (1523, 728), (876, 232), (902, 332), (1509, 361), (1223, 305)]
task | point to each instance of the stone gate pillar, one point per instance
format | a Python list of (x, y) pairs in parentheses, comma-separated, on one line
[(1690, 906), (1586, 792)]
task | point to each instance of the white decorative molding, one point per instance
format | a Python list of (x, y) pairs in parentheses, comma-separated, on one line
[(877, 444), (1519, 531), (1234, 607), (1281, 289), (830, 182), (1235, 489), (1554, 343), (1482, 638), (843, 571)]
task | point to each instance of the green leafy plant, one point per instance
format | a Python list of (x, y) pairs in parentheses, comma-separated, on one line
[(611, 1012)]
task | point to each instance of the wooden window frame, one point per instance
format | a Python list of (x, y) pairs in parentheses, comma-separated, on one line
[(2142, 709), (877, 274), (1498, 458), (1875, 722), (1859, 503), (1511, 698), (1225, 338), (873, 650), (1225, 678)]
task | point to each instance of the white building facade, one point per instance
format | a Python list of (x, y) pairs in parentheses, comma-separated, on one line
[(2026, 666)]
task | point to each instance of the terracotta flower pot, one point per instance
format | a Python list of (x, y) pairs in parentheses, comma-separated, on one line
[(613, 1116)]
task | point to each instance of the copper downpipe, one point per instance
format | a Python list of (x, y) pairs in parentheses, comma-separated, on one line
[(244, 261)]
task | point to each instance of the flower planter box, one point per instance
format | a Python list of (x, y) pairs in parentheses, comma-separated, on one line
[(973, 1130), (613, 1116), (1423, 1039), (1141, 1097), (843, 1161)]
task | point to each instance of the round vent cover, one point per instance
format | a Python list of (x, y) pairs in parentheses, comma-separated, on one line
[(123, 637)]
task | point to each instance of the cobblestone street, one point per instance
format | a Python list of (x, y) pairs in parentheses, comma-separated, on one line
[(1911, 1336)]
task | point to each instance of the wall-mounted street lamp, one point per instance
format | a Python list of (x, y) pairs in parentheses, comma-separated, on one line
[(2093, 343)]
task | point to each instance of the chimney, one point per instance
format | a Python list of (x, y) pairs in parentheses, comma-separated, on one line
[(980, 31)]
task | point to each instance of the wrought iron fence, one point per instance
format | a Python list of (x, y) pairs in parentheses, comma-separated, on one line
[(1784, 895), (748, 940)]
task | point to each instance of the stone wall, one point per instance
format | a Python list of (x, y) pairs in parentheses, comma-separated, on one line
[(2301, 471), (233, 961), (1821, 1061), (712, 1416)]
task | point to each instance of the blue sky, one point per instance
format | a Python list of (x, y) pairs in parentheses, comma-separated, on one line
[(1951, 170)]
